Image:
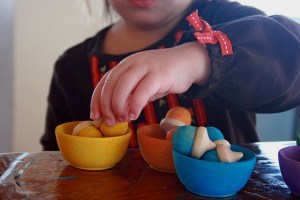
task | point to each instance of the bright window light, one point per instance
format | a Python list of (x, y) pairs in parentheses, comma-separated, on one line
[(288, 8)]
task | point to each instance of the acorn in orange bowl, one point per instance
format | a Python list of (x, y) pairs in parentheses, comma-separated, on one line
[(175, 117), (155, 140)]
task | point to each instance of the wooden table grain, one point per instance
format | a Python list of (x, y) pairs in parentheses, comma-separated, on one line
[(46, 175)]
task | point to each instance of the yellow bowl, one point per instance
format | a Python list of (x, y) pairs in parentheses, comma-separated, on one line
[(90, 153)]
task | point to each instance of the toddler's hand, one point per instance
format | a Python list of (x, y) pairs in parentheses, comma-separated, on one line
[(146, 76)]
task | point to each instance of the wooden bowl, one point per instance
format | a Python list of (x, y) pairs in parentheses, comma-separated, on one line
[(90, 153), (155, 149)]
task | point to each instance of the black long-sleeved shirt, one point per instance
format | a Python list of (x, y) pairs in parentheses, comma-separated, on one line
[(262, 76)]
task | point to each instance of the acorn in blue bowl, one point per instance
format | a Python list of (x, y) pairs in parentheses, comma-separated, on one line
[(205, 175)]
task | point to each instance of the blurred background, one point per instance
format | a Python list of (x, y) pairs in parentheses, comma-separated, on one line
[(33, 34)]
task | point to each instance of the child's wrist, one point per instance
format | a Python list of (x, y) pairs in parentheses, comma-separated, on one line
[(199, 61)]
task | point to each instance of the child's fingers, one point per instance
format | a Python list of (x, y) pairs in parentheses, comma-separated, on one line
[(106, 98), (95, 108), (124, 88), (108, 90), (146, 90)]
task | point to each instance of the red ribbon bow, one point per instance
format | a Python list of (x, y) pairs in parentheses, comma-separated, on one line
[(205, 34)]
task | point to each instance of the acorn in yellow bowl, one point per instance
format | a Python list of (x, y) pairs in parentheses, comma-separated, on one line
[(84, 146)]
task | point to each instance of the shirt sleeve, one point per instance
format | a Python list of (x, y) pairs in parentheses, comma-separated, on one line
[(263, 74)]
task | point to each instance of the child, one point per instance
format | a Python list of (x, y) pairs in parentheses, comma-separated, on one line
[(241, 63)]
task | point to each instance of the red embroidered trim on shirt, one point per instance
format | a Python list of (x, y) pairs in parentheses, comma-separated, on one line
[(200, 112), (133, 141), (112, 64), (172, 100), (178, 35), (94, 70), (205, 34), (150, 113)]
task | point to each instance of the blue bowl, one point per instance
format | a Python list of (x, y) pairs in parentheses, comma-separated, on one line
[(214, 179)]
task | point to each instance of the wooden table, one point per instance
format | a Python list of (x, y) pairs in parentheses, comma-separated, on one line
[(46, 175)]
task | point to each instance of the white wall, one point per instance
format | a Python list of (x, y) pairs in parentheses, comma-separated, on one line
[(43, 30), (6, 73), (277, 127), (284, 7)]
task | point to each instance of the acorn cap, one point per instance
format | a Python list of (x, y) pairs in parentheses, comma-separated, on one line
[(181, 114), (98, 122), (81, 126), (167, 124), (226, 155), (202, 143), (222, 142)]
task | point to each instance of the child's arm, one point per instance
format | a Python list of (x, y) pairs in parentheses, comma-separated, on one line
[(146, 76), (263, 74)]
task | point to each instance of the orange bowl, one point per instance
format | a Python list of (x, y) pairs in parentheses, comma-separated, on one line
[(155, 149)]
